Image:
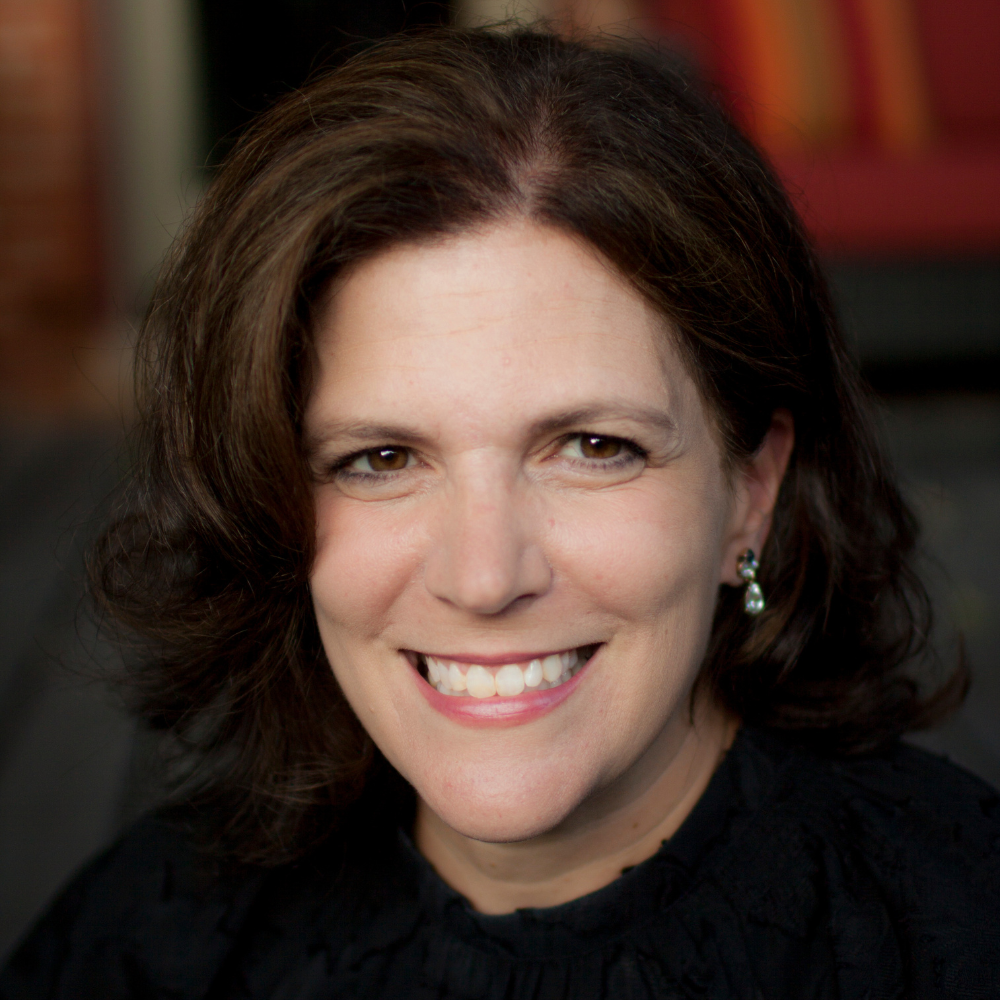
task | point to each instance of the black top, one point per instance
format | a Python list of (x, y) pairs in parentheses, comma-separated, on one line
[(793, 877)]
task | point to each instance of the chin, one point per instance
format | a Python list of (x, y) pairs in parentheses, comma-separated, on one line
[(506, 829), (511, 811)]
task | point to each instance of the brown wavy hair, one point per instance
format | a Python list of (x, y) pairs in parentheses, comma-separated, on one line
[(429, 134)]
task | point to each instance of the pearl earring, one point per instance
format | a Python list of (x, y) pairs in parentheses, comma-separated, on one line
[(753, 597)]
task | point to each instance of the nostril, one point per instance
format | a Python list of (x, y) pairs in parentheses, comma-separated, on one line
[(489, 589)]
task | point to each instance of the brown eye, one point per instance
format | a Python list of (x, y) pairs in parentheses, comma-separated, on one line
[(387, 459), (593, 446)]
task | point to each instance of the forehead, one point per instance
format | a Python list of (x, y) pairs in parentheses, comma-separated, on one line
[(506, 317)]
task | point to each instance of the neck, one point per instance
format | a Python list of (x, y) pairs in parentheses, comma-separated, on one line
[(617, 827)]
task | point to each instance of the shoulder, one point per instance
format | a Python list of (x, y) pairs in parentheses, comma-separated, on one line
[(893, 858), (901, 802), (149, 917), (154, 917)]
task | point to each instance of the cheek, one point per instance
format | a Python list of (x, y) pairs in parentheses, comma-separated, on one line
[(352, 540), (647, 548)]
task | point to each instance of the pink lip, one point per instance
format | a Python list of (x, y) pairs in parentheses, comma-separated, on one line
[(500, 711)]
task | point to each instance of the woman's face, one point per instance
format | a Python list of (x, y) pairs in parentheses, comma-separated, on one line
[(520, 500)]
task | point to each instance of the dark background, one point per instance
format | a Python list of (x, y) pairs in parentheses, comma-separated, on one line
[(253, 56)]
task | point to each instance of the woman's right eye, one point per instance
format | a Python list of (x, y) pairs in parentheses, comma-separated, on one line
[(376, 461)]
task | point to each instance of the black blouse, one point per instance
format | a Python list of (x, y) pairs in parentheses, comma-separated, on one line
[(794, 876)]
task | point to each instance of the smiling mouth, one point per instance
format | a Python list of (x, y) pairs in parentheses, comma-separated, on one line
[(507, 680)]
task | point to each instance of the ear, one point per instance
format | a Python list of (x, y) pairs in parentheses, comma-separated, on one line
[(756, 492)]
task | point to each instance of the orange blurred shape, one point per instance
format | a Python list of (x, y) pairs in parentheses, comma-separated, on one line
[(900, 103), (52, 268), (808, 74)]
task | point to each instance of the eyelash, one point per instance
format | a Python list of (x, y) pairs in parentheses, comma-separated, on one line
[(631, 452)]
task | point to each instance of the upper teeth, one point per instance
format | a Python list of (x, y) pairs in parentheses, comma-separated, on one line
[(507, 680)]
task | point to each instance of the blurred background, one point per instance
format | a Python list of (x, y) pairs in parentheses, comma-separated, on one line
[(882, 117)]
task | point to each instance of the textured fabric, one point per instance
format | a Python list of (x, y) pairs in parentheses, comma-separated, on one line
[(794, 877)]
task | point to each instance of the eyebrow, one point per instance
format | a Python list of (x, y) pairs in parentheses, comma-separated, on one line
[(614, 411), (364, 433)]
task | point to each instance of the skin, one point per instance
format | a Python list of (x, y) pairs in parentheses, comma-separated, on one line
[(482, 359)]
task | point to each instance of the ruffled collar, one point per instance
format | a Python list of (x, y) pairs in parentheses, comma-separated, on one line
[(640, 893)]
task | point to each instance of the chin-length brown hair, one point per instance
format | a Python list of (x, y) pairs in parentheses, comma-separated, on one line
[(433, 134)]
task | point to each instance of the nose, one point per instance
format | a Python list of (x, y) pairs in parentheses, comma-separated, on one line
[(484, 557)]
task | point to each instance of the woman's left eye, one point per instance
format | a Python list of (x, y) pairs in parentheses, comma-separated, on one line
[(390, 458), (601, 448)]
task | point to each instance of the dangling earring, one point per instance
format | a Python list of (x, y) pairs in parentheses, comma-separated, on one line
[(753, 597)]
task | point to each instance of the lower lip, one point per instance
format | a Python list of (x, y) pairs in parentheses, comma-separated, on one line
[(496, 711)]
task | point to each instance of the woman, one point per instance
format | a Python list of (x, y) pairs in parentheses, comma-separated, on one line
[(486, 371)]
